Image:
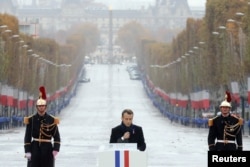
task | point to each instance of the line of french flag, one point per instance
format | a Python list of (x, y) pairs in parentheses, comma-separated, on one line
[(199, 99), (122, 158)]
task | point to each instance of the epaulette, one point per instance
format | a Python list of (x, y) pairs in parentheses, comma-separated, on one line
[(241, 121), (56, 120), (26, 120), (211, 121)]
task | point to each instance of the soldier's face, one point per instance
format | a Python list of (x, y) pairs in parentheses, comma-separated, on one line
[(127, 119), (41, 109), (224, 110)]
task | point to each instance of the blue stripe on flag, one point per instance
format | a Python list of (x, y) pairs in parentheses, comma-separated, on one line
[(117, 158)]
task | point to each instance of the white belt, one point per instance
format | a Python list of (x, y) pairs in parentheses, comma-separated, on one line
[(225, 141), (41, 140)]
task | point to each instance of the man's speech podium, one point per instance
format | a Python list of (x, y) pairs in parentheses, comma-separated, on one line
[(121, 155)]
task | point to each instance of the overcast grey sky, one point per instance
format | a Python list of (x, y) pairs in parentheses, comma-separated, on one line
[(131, 4), (138, 3)]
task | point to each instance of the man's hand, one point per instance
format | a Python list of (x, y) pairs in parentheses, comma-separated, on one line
[(54, 153), (126, 135), (28, 155)]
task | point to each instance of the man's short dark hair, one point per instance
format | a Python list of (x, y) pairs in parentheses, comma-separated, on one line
[(128, 111)]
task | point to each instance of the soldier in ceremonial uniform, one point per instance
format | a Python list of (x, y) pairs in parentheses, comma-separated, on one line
[(225, 129), (127, 132), (40, 129)]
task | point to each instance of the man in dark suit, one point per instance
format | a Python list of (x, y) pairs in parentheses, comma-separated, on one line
[(127, 132)]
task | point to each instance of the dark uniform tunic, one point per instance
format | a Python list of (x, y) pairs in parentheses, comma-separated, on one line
[(39, 132), (136, 135), (227, 131)]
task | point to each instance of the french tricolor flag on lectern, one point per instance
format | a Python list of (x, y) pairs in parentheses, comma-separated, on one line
[(122, 158)]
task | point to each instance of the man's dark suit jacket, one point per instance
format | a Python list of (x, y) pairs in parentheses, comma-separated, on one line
[(136, 135)]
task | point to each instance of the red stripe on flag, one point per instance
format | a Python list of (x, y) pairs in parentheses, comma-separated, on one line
[(126, 158)]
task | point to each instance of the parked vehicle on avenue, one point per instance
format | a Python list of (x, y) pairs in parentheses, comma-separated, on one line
[(84, 80), (134, 72)]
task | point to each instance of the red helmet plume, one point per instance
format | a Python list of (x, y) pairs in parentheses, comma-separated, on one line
[(228, 97), (42, 93)]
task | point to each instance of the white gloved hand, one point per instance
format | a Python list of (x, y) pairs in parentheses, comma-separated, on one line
[(28, 155), (54, 153)]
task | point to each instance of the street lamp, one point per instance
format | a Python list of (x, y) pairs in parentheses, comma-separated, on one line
[(231, 20), (25, 46), (241, 38), (215, 33), (222, 27), (5, 31), (65, 65), (160, 66), (239, 14), (35, 55), (196, 47), (17, 45), (1, 37), (202, 43), (3, 26), (14, 36), (30, 50)]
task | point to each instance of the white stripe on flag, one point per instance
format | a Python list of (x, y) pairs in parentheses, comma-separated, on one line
[(235, 87), (248, 84)]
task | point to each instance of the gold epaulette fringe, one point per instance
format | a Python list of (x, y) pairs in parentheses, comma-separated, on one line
[(240, 121), (26, 120), (56, 120), (210, 122)]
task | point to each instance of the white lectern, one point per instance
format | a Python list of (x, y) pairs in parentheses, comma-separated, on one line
[(121, 155)]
